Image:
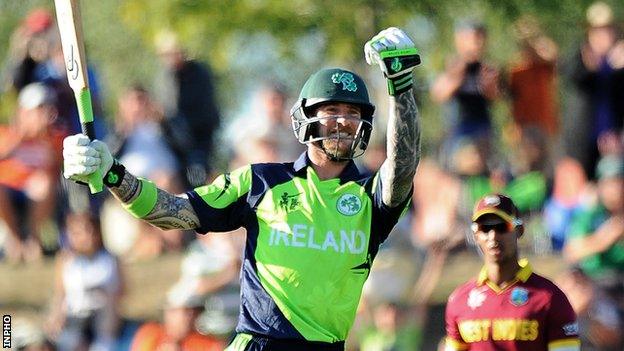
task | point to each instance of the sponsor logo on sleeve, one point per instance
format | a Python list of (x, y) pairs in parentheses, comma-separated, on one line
[(289, 202), (476, 297), (571, 329), (519, 296)]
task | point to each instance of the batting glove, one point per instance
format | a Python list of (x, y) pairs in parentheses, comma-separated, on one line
[(396, 55), (82, 157)]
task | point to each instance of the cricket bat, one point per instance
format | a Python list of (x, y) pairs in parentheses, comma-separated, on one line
[(70, 27)]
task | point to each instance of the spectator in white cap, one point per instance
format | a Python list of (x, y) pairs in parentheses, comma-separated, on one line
[(30, 159)]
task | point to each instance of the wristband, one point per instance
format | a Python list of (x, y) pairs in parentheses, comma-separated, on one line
[(145, 202), (400, 84), (115, 175)]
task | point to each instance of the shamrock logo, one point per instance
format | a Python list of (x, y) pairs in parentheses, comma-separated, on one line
[(349, 204), (347, 80)]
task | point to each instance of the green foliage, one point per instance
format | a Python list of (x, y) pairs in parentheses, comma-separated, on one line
[(248, 41)]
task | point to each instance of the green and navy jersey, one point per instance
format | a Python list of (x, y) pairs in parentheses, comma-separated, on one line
[(309, 248)]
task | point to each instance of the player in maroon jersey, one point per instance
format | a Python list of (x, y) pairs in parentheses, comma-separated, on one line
[(507, 307)]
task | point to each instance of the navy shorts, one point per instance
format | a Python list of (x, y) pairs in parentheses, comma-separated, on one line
[(248, 342)]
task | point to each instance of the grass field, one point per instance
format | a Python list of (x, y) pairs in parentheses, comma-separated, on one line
[(26, 290)]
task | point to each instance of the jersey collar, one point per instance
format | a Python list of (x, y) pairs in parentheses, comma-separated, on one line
[(522, 275), (350, 172)]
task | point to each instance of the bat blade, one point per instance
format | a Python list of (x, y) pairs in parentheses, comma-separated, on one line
[(70, 28)]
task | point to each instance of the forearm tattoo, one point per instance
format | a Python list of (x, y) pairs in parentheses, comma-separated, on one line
[(129, 188), (403, 149), (170, 212)]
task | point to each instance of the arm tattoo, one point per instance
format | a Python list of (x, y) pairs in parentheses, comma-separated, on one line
[(129, 188), (170, 212), (403, 149)]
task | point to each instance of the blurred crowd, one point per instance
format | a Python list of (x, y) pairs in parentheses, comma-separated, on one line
[(559, 156)]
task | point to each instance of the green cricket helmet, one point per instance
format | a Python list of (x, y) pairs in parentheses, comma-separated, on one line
[(327, 86)]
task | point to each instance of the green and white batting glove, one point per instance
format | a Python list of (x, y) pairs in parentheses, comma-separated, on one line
[(82, 157), (396, 55)]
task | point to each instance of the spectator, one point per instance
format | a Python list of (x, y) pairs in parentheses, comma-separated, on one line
[(265, 126), (253, 144), (596, 234), (35, 56), (600, 324), (468, 86), (26, 336), (210, 269), (140, 142), (272, 100), (30, 159), (186, 91), (88, 287), (139, 138), (570, 187), (529, 172), (597, 73), (435, 224), (469, 164), (30, 48), (392, 330), (532, 79), (435, 198), (177, 332)]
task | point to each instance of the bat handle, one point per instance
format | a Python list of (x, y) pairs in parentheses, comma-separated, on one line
[(85, 113), (88, 130)]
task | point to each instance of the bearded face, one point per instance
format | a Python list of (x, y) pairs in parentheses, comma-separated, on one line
[(338, 127)]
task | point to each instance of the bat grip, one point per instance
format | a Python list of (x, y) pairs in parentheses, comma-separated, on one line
[(88, 130), (85, 113)]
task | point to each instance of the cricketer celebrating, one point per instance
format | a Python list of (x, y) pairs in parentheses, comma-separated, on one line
[(508, 307), (313, 225)]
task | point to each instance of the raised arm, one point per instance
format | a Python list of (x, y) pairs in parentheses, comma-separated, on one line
[(139, 196), (607, 235), (397, 57), (403, 149)]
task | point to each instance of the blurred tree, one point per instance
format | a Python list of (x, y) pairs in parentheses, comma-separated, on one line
[(249, 40)]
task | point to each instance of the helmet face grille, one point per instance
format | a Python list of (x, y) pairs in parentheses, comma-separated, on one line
[(307, 132)]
